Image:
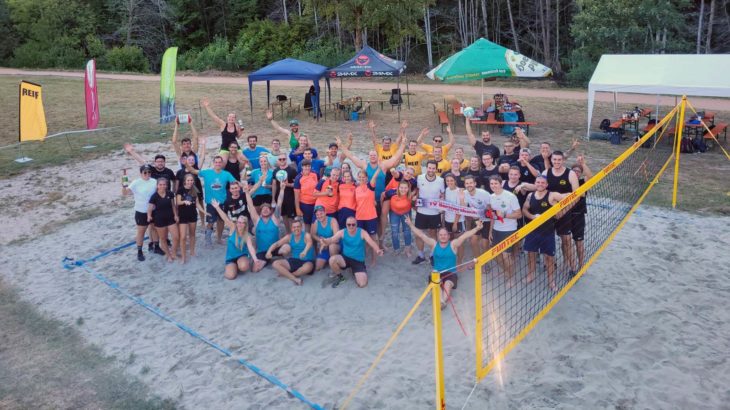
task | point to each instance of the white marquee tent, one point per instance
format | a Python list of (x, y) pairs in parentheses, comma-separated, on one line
[(661, 74)]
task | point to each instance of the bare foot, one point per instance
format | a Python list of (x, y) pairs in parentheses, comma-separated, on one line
[(192, 253), (409, 252), (298, 281), (170, 259), (259, 265), (530, 277)]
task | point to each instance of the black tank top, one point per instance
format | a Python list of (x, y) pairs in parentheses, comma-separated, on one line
[(581, 206), (228, 137), (521, 197), (234, 168), (540, 206), (559, 183)]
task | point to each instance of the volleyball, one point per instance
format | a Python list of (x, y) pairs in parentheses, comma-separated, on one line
[(281, 175), (468, 112)]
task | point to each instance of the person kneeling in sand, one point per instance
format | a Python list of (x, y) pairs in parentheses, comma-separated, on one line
[(299, 245), (443, 255), (353, 252), (265, 223), (240, 245), (324, 227)]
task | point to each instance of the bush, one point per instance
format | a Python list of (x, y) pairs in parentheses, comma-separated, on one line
[(325, 52), (215, 55), (62, 53), (126, 58)]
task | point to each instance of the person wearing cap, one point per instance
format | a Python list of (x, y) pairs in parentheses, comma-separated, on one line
[(142, 190), (305, 185), (335, 158), (230, 129), (292, 132), (324, 227), (387, 149), (159, 170), (253, 152)]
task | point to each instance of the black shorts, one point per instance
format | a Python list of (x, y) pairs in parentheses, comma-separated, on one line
[(259, 200), (163, 222), (578, 226), (450, 227), (235, 260), (484, 232), (212, 216), (288, 209), (447, 277), (140, 218), (295, 264), (428, 221), (563, 225), (262, 256), (355, 265), (188, 217)]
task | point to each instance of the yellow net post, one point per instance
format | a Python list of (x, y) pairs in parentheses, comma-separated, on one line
[(678, 140), (437, 340)]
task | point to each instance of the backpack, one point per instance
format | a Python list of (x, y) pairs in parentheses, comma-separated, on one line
[(699, 144), (686, 146)]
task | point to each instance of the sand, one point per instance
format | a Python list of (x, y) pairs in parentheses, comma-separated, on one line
[(646, 327)]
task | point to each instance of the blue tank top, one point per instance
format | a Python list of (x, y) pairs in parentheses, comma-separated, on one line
[(379, 181), (325, 231), (353, 246), (444, 258), (232, 251), (266, 234), (298, 246)]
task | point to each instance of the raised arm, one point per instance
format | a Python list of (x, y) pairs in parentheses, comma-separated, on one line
[(175, 146), (360, 163), (223, 216), (275, 125), (216, 119), (195, 137), (201, 155), (587, 172), (249, 202), (419, 233), (573, 147), (396, 158), (373, 137), (470, 133), (522, 137), (451, 139), (130, 150), (456, 243)]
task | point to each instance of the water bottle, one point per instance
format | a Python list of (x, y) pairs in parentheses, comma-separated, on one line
[(125, 178), (329, 191)]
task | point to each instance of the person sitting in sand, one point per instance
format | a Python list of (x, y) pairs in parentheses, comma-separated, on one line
[(240, 251), (353, 240), (266, 223), (324, 226), (298, 249), (443, 255)]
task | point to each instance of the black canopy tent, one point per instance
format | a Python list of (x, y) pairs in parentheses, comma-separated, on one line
[(370, 63)]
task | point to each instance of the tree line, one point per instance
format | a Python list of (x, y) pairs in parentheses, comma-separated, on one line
[(567, 35)]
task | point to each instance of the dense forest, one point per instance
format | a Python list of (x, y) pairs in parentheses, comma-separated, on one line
[(238, 35)]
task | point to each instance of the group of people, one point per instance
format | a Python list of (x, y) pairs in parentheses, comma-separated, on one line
[(304, 210)]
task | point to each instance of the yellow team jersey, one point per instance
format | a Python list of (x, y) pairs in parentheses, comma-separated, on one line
[(414, 161), (464, 164), (429, 149), (385, 155), (443, 166)]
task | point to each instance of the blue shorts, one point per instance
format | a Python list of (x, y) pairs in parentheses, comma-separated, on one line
[(343, 214), (540, 242), (324, 253), (307, 212), (370, 226)]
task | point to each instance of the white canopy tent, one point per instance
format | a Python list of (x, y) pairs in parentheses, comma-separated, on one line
[(660, 74)]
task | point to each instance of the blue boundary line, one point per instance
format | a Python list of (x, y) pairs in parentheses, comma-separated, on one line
[(70, 263)]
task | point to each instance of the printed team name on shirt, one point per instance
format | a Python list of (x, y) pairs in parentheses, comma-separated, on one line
[(217, 184), (563, 182)]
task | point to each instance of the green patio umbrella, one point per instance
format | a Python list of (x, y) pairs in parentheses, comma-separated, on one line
[(484, 59)]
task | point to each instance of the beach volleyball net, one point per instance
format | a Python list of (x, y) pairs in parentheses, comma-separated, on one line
[(512, 294)]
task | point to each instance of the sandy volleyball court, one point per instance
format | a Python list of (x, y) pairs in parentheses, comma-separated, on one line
[(645, 328)]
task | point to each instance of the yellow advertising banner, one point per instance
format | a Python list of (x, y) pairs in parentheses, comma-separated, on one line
[(32, 117)]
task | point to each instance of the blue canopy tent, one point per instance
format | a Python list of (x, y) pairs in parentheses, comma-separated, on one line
[(370, 63), (288, 69)]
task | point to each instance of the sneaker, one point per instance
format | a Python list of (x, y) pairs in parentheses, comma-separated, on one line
[(158, 250), (338, 280), (419, 259), (140, 255), (151, 246)]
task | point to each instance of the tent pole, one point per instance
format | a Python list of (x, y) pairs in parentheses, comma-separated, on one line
[(408, 93), (657, 108), (399, 98), (341, 97), (482, 103), (614, 102)]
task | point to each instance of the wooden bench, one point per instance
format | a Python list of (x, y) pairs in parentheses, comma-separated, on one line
[(437, 107), (715, 132), (443, 119), (523, 124), (362, 112)]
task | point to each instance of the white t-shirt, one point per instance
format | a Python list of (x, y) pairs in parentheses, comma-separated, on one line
[(429, 190), (479, 200), (505, 203), (142, 191), (453, 198)]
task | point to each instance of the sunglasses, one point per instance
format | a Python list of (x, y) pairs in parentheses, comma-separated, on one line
[(351, 224), (438, 140), (281, 159)]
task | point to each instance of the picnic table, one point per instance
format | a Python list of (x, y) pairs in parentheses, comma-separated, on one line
[(492, 121), (284, 104)]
